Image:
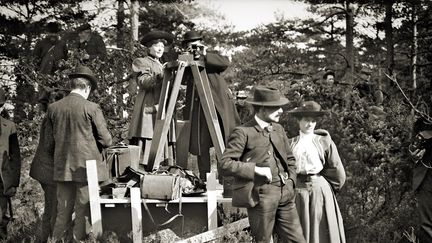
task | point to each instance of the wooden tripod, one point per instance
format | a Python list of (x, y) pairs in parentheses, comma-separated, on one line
[(168, 98)]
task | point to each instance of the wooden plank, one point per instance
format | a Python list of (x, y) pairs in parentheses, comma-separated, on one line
[(94, 199), (218, 232), (211, 201), (136, 215)]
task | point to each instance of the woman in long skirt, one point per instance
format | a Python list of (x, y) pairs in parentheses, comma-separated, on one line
[(320, 174)]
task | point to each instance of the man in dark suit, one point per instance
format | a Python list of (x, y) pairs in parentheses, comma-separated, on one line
[(215, 64), (421, 151), (79, 132), (263, 167)]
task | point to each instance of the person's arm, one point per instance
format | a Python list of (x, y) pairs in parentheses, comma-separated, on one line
[(333, 169), (230, 164), (100, 130), (14, 161), (216, 63), (291, 163), (146, 77)]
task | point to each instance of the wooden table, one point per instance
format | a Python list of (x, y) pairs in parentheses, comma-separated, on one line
[(209, 199)]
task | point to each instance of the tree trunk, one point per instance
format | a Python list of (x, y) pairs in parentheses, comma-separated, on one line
[(349, 20), (134, 21), (389, 35), (120, 24), (414, 48)]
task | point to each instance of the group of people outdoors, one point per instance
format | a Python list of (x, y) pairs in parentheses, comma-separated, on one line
[(288, 185)]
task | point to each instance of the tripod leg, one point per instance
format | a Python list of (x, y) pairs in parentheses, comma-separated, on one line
[(162, 125), (147, 146), (207, 103)]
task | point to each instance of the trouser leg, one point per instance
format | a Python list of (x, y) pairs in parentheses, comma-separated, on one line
[(82, 212), (66, 193), (288, 225), (204, 164), (4, 218), (49, 215), (262, 216)]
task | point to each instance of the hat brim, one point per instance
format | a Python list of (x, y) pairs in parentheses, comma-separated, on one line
[(93, 79), (281, 102), (191, 39), (308, 113), (156, 35)]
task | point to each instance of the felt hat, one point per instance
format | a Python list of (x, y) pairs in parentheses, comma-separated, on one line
[(156, 35), (83, 27), (329, 72), (267, 96), (2, 96), (53, 27), (191, 36), (85, 72), (308, 108)]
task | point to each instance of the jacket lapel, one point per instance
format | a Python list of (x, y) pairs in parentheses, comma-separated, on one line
[(277, 141)]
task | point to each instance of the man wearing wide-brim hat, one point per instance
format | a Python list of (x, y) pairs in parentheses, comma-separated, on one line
[(49, 51), (79, 133), (258, 157), (224, 101)]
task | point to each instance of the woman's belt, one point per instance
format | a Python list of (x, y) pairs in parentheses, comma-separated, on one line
[(307, 177)]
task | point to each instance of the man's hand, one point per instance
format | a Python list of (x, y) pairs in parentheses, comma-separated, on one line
[(417, 154), (265, 172)]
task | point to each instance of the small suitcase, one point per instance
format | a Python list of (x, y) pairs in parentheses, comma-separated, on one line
[(121, 156), (164, 186)]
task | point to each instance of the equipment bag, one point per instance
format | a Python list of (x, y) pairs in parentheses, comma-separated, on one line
[(121, 156), (191, 184), (160, 185)]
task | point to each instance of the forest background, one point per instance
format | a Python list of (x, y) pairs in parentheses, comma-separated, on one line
[(362, 41)]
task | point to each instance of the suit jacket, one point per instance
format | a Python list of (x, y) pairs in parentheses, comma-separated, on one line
[(10, 160), (42, 167), (80, 133), (333, 169), (249, 146)]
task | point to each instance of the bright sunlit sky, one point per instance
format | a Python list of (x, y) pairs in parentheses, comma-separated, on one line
[(247, 14)]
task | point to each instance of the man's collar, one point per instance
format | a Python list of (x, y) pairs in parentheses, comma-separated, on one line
[(261, 123)]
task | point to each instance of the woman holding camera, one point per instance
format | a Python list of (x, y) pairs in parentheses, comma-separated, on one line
[(319, 174), (149, 76)]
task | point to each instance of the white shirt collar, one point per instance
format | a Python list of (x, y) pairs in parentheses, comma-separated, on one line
[(261, 123)]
